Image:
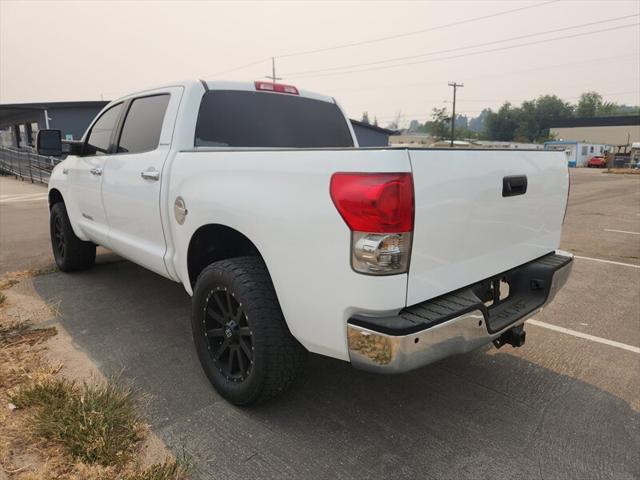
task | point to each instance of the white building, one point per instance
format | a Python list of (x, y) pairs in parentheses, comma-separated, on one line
[(578, 153)]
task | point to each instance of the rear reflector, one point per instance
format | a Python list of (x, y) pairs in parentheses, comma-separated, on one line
[(276, 87), (374, 202)]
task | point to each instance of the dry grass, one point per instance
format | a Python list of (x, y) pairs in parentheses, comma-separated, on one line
[(16, 333), (12, 278), (93, 423), (167, 470), (51, 427)]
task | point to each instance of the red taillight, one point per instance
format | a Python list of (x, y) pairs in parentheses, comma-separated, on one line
[(374, 202), (276, 87)]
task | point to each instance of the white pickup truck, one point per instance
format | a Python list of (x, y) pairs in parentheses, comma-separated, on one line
[(290, 238)]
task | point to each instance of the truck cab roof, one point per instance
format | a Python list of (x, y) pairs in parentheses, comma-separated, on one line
[(229, 85)]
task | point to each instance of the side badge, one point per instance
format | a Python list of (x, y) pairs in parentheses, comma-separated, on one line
[(180, 210)]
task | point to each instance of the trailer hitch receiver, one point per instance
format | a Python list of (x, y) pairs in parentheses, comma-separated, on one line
[(514, 336)]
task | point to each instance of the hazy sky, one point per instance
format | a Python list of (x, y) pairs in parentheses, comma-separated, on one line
[(63, 50)]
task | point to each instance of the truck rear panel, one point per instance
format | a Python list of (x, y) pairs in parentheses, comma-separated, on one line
[(481, 212)]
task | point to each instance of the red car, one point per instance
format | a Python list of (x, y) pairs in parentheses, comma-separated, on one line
[(597, 162)]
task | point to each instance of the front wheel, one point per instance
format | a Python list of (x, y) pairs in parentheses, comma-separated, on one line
[(70, 253), (240, 334)]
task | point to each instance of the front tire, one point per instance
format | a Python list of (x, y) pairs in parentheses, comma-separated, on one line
[(71, 254), (240, 334)]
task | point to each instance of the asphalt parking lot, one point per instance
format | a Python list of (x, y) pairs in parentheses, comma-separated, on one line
[(566, 405)]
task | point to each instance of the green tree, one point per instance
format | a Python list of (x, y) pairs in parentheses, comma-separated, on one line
[(589, 104), (608, 109), (528, 123), (541, 113), (502, 125), (365, 118), (440, 123), (414, 126), (477, 124)]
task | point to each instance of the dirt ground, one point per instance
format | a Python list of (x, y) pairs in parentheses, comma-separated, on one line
[(46, 349)]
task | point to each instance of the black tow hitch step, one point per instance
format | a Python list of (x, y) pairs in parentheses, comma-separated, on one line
[(514, 336)]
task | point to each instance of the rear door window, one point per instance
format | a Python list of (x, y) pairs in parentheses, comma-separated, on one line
[(234, 118), (143, 124)]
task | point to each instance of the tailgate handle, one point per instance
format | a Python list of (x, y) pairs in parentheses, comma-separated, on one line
[(514, 185)]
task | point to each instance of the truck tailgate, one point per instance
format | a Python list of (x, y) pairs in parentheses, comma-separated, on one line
[(466, 230)]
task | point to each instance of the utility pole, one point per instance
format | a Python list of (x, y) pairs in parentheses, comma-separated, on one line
[(453, 115), (273, 70)]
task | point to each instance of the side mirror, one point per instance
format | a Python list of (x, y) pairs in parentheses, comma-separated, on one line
[(49, 143)]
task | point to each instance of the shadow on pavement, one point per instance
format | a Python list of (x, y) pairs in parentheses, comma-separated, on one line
[(473, 416)]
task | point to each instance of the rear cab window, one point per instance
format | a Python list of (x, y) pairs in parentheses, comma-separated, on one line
[(237, 118)]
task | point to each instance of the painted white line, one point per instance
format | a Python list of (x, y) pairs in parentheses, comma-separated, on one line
[(21, 195), (621, 231), (607, 261), (585, 336), (28, 199)]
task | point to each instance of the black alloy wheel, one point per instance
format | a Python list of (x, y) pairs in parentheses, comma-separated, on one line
[(58, 237), (240, 334), (229, 335), (70, 253)]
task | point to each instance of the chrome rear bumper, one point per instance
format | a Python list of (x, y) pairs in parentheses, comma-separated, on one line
[(382, 351)]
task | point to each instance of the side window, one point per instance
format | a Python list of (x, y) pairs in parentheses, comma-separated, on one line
[(591, 150), (143, 124), (584, 150), (100, 135)]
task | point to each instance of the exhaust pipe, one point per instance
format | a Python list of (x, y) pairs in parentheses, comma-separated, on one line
[(514, 336)]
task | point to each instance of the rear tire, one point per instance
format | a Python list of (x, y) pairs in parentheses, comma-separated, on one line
[(240, 334), (71, 254)]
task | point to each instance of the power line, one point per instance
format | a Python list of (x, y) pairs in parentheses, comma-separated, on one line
[(612, 94), (519, 37), (246, 65), (382, 39), (404, 115), (497, 74), (495, 100), (415, 32), (509, 47)]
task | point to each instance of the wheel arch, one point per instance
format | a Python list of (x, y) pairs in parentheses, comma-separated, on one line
[(213, 242), (55, 197)]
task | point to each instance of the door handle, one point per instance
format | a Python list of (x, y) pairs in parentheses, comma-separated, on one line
[(150, 174), (514, 185), (96, 171)]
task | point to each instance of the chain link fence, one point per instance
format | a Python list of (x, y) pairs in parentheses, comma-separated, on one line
[(26, 165)]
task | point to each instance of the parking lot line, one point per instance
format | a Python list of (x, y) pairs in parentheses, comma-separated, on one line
[(621, 231), (20, 195), (25, 198), (607, 261), (585, 336)]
